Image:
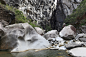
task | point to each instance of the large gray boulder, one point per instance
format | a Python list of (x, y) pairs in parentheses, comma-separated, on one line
[(31, 40), (21, 37), (68, 32)]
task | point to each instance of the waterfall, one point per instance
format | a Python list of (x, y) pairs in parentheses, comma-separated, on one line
[(58, 16), (42, 11)]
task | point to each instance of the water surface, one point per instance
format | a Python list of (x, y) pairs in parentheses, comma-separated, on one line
[(32, 53)]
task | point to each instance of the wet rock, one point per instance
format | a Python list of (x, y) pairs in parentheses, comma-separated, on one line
[(68, 32), (39, 30), (72, 44), (78, 52), (31, 40), (51, 34)]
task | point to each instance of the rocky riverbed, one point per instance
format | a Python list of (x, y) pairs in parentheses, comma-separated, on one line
[(22, 37)]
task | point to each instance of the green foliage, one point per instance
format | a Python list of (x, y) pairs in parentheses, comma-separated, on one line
[(19, 17), (77, 13), (48, 28), (33, 23)]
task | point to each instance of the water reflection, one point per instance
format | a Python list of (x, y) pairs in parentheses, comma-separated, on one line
[(33, 53)]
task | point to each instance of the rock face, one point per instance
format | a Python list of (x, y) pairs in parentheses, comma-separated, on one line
[(68, 32), (69, 6), (7, 15), (41, 10)]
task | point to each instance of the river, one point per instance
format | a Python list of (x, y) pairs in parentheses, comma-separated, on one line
[(32, 53)]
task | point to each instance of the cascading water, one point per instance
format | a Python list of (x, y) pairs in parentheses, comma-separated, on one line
[(58, 16)]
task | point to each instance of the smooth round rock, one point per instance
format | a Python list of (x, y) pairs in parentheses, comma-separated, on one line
[(80, 51)]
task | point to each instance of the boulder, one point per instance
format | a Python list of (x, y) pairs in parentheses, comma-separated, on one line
[(39, 30), (68, 32), (72, 44), (31, 40), (78, 52), (51, 34), (82, 35)]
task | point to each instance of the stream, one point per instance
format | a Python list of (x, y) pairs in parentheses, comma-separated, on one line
[(32, 53)]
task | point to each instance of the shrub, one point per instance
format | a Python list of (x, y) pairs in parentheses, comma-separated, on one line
[(19, 17), (71, 19)]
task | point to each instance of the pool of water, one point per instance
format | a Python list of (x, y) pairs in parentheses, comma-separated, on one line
[(33, 53)]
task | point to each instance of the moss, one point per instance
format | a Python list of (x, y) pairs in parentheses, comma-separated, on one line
[(71, 19)]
